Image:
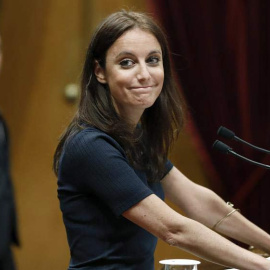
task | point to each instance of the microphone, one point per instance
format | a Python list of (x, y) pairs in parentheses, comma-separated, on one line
[(228, 134), (225, 149)]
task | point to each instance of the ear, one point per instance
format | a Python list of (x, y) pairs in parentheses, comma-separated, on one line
[(99, 72)]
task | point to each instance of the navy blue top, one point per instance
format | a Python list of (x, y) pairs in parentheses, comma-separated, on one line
[(96, 184)]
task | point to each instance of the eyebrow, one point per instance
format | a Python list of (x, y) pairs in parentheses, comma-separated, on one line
[(130, 53)]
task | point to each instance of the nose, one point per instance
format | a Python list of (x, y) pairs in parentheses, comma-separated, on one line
[(143, 73)]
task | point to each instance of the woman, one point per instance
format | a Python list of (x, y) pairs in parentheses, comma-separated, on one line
[(112, 162)]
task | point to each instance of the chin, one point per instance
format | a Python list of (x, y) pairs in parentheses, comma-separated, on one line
[(146, 103)]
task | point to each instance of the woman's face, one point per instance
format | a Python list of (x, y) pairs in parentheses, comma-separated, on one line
[(134, 72)]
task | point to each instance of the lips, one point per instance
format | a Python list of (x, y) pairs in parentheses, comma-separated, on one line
[(142, 90), (141, 87)]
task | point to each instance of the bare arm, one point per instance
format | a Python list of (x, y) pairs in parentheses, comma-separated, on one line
[(159, 219), (203, 205)]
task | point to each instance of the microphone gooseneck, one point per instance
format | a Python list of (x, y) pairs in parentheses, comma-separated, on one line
[(225, 149), (221, 147), (228, 134), (225, 133)]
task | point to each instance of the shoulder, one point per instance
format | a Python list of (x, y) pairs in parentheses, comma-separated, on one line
[(92, 141), (92, 136)]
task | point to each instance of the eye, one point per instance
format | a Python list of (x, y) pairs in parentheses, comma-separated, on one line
[(153, 60), (126, 63)]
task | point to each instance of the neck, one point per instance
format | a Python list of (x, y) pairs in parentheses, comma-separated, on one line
[(131, 115)]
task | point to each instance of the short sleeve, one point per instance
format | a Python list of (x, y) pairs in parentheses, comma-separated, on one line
[(95, 164), (168, 167)]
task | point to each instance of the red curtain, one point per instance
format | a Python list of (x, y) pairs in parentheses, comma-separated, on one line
[(221, 54)]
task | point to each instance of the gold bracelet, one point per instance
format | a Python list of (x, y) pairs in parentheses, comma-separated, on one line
[(230, 213)]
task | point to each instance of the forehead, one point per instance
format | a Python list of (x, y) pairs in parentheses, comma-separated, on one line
[(135, 40)]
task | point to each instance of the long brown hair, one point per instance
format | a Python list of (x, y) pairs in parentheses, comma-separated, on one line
[(160, 124)]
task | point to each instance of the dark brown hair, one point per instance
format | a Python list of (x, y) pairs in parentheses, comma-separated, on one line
[(160, 124)]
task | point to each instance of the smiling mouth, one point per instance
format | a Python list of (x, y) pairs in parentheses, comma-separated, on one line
[(141, 88)]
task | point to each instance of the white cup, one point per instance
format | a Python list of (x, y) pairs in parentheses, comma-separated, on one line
[(180, 264)]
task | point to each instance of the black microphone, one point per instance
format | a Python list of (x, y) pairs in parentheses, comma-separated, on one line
[(225, 149), (228, 134)]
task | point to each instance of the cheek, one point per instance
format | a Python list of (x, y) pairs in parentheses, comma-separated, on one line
[(159, 74), (117, 84), (160, 78), (120, 79)]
